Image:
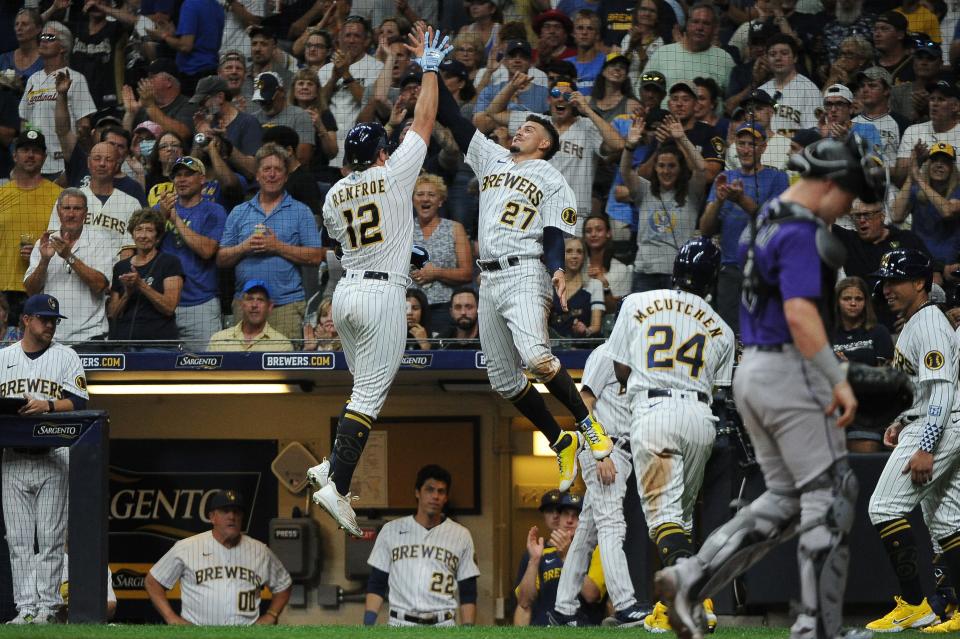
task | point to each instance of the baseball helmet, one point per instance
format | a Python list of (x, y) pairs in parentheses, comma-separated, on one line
[(850, 163), (696, 266), (905, 264), (363, 143)]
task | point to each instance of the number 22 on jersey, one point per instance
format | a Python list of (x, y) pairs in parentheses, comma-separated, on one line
[(363, 225)]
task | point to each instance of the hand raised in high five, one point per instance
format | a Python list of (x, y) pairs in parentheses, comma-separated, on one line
[(430, 48)]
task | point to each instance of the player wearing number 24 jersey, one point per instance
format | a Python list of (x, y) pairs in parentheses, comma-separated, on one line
[(526, 208), (369, 214)]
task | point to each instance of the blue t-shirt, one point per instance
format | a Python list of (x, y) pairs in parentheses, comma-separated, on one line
[(245, 133), (587, 72), (941, 235), (533, 99), (200, 275), (625, 212), (204, 20), (732, 218), (293, 223), (786, 257), (7, 62)]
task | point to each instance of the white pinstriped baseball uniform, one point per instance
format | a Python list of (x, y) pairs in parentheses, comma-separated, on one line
[(671, 340), (370, 213), (517, 200), (601, 520), (425, 566), (220, 586), (35, 484), (926, 350)]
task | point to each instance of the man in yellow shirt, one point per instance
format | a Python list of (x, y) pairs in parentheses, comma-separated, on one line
[(25, 204), (252, 332)]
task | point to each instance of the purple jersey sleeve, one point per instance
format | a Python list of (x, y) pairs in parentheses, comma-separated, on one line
[(799, 264)]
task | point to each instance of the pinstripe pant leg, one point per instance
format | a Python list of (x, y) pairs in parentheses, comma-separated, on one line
[(611, 531), (19, 514), (52, 526), (342, 306), (504, 367), (577, 562), (699, 446), (658, 462), (526, 316)]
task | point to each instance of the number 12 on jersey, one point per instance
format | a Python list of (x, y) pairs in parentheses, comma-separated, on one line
[(367, 223), (661, 354)]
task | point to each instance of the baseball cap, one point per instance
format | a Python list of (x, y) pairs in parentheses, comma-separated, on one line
[(755, 128), (683, 85), (455, 68), (758, 96), (895, 19), (922, 43), (232, 54), (255, 284), (265, 86), (571, 500), (282, 135), (654, 78), (163, 65), (152, 127), (411, 76), (943, 148), (805, 137), (758, 32), (550, 499), (945, 87), (838, 91), (208, 86), (876, 73), (43, 305), (31, 137), (261, 30), (555, 16), (107, 119), (189, 162), (224, 499), (519, 45), (613, 58)]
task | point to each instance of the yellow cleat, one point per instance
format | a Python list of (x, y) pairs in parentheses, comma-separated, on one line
[(950, 625), (711, 617), (596, 437), (567, 458), (904, 616), (657, 620)]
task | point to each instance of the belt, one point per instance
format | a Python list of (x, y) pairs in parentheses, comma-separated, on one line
[(376, 275), (35, 451), (768, 348), (426, 620), (497, 265), (668, 392), (623, 442)]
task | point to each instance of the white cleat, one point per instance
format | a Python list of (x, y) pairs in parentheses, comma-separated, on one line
[(319, 475), (339, 508), (22, 619)]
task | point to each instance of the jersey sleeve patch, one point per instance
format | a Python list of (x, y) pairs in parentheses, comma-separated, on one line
[(933, 360), (569, 216), (81, 382)]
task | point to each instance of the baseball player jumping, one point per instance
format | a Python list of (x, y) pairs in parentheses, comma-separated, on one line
[(788, 387), (370, 214), (671, 349), (923, 466), (526, 206)]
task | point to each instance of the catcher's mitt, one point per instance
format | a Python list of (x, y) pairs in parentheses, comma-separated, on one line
[(882, 394)]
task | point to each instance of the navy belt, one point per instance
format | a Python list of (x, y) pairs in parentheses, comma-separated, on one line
[(668, 392), (376, 275), (769, 348), (426, 620), (495, 265)]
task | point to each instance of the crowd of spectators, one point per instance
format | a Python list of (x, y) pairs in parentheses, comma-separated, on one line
[(163, 163)]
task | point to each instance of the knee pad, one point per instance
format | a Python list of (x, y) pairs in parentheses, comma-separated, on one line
[(544, 366)]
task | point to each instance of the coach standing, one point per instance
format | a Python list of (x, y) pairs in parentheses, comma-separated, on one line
[(788, 387), (35, 480)]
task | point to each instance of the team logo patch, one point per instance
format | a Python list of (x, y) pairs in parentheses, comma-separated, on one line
[(52, 303), (933, 360), (717, 145), (569, 216), (81, 382)]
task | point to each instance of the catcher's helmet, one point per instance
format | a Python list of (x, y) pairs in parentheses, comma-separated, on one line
[(696, 266), (850, 163), (905, 264), (363, 143)]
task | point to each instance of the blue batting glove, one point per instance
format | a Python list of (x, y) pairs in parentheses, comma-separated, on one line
[(435, 52)]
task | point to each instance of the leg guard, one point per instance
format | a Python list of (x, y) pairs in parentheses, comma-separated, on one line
[(353, 430), (741, 542), (827, 512)]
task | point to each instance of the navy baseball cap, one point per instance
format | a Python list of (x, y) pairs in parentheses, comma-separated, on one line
[(43, 305), (455, 68), (555, 499), (31, 137), (922, 43), (265, 86), (224, 499), (571, 500), (806, 137), (519, 45), (163, 65), (754, 128), (550, 499), (255, 284)]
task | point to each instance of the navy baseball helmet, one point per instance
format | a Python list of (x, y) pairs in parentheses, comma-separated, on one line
[(363, 143), (696, 266), (905, 264), (850, 163)]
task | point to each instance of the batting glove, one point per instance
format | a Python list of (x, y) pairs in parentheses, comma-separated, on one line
[(419, 256), (433, 54)]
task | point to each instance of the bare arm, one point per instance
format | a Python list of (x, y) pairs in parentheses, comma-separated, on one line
[(277, 603), (229, 256), (425, 113), (710, 220), (158, 597), (468, 614), (167, 301), (613, 142), (205, 247), (898, 212), (63, 123)]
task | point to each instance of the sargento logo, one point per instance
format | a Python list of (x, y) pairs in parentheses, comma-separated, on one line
[(200, 361), (127, 579), (104, 362), (416, 361), (480, 360), (49, 429), (293, 361)]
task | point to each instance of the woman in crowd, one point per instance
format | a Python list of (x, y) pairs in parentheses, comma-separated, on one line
[(158, 181), (146, 287), (585, 306), (485, 22), (418, 319), (305, 93), (25, 59), (612, 96), (856, 54), (323, 335), (644, 37), (447, 243), (394, 28), (314, 47), (468, 51), (612, 274), (932, 195), (705, 108), (668, 204)]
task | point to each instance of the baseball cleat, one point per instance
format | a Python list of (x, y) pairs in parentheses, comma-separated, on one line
[(339, 508), (566, 447), (950, 625), (44, 617), (628, 617), (22, 619), (555, 618), (708, 612), (657, 620), (319, 475), (904, 616), (687, 617), (600, 444)]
